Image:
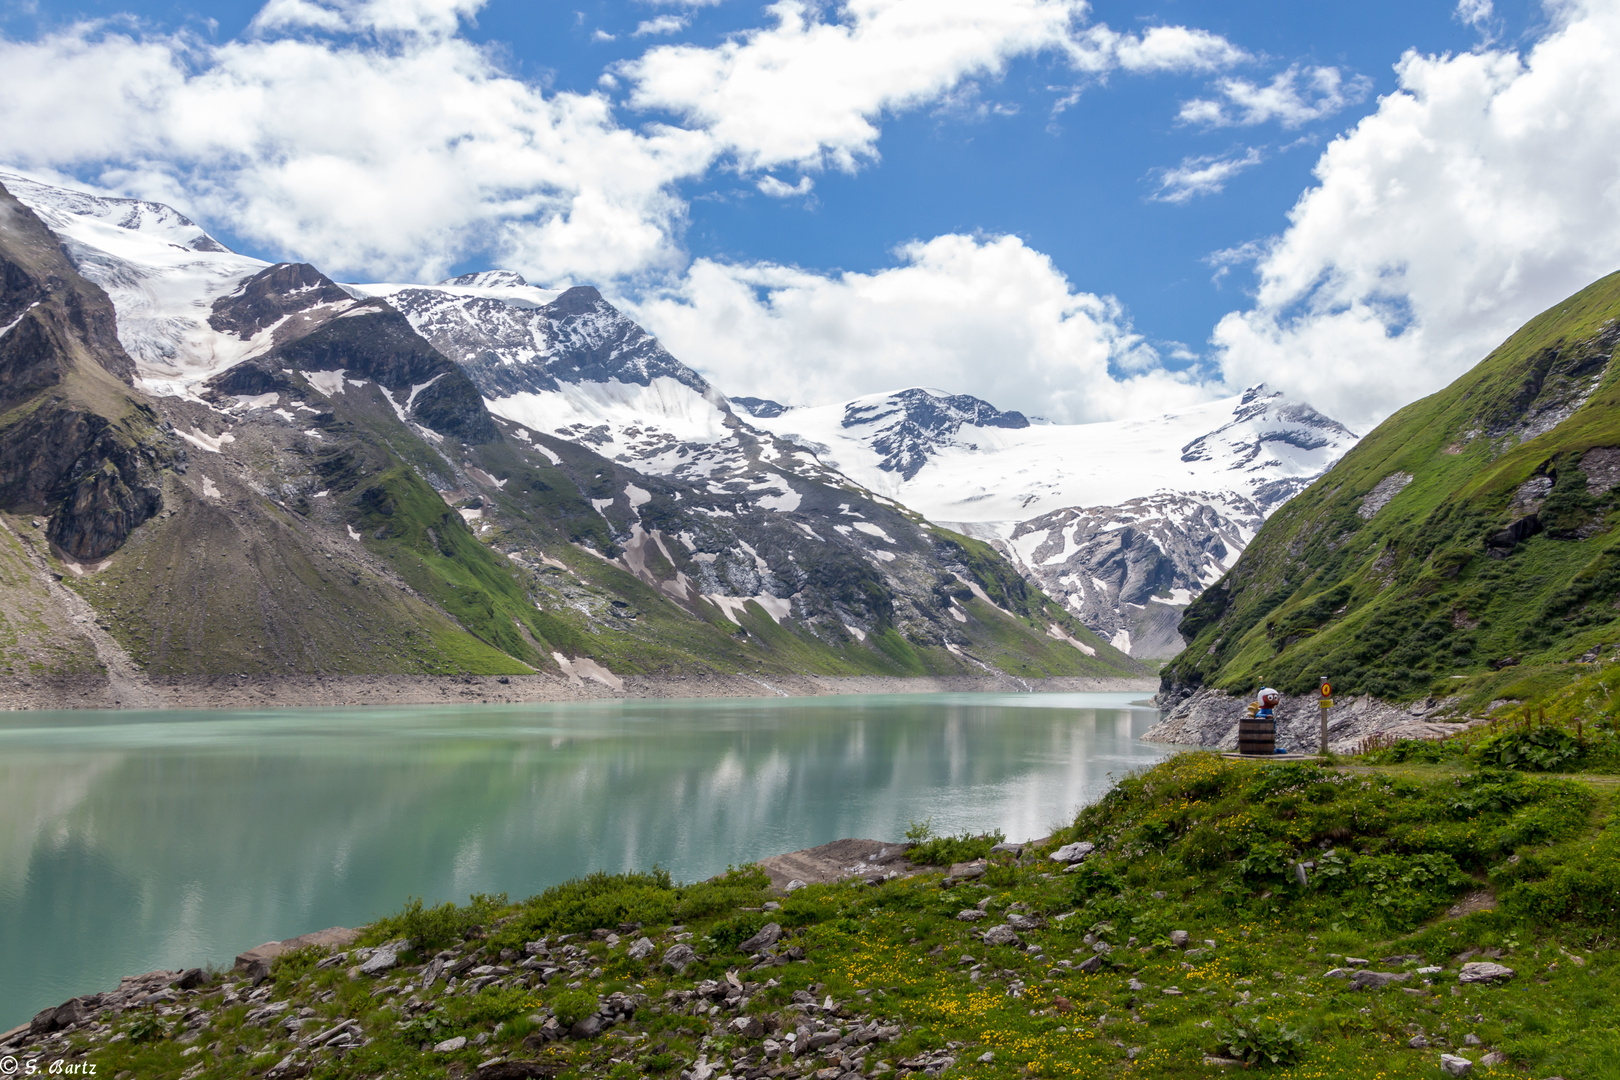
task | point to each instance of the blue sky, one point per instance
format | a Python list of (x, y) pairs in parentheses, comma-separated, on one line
[(1038, 172)]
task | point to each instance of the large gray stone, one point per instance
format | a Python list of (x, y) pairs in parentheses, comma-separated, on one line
[(450, 1046), (1073, 853), (1001, 935), (1453, 1065), (1377, 980), (679, 957), (768, 935), (384, 959), (1484, 972), (640, 949)]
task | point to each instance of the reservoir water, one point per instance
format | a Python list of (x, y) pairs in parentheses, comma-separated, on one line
[(133, 841)]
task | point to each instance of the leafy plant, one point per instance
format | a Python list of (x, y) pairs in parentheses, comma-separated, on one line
[(1541, 749), (428, 1027), (146, 1027), (1260, 1041), (945, 850), (727, 934)]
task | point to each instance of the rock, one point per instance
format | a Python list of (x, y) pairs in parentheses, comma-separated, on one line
[(1179, 938), (970, 915), (679, 957), (1470, 1039), (825, 1037), (640, 949), (1010, 849), (1356, 962), (450, 1046), (1001, 935), (1377, 980), (965, 871), (1338, 973), (191, 978), (1484, 972), (334, 937), (1073, 853), (987, 1057), (1024, 922), (258, 971), (794, 886), (1300, 877), (1454, 1065), (749, 1027), (1493, 1059), (384, 959), (1091, 965), (1418, 1042), (588, 1028), (768, 935)]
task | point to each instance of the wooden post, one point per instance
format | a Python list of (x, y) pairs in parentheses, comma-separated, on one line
[(1325, 704)]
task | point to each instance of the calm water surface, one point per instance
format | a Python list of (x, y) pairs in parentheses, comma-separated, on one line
[(134, 841)]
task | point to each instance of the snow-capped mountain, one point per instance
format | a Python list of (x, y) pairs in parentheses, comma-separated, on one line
[(1124, 522)]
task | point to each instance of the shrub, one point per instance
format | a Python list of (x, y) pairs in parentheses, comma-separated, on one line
[(945, 850), (727, 934), (572, 1006), (433, 928), (1541, 749)]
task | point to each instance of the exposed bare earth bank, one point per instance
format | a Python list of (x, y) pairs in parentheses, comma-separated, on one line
[(232, 692), (1210, 718)]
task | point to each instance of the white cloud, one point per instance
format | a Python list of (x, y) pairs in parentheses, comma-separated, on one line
[(778, 189), (809, 92), (1485, 190), (397, 156), (603, 35), (663, 24), (1161, 48), (1475, 12), (980, 315), (1202, 175), (1292, 98)]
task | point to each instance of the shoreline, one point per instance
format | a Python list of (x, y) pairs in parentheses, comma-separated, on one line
[(350, 691)]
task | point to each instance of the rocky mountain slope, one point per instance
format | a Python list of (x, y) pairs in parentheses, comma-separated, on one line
[(1464, 553), (1123, 522), (290, 478)]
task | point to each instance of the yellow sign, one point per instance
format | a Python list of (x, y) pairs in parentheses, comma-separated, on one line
[(1326, 703), (1327, 690)]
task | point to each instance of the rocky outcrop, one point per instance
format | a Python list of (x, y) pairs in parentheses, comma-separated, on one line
[(281, 292), (1209, 718), (76, 444)]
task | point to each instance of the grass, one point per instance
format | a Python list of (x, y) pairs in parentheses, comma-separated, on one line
[(1197, 844)]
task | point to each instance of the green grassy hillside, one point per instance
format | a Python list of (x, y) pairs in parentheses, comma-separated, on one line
[(1465, 547)]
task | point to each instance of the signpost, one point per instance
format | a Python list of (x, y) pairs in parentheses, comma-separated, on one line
[(1325, 704)]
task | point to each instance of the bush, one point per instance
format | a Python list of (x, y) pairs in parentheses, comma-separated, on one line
[(432, 928), (930, 850), (572, 1006), (727, 934)]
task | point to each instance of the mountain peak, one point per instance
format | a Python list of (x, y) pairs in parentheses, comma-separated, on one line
[(579, 300), (488, 279)]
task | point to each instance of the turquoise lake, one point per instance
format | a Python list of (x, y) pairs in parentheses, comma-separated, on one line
[(132, 841)]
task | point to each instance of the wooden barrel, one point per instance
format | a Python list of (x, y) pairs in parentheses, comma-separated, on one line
[(1257, 735)]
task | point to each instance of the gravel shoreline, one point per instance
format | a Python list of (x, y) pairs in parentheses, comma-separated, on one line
[(337, 691)]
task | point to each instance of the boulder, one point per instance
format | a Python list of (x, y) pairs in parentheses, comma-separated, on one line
[(1179, 938), (965, 871), (1001, 935), (970, 915), (1091, 965), (1073, 853), (588, 1028), (384, 959), (191, 978), (749, 1027), (450, 1046), (1452, 1065), (1377, 980), (1493, 1059), (1010, 849), (640, 949), (1484, 972), (768, 935), (679, 957)]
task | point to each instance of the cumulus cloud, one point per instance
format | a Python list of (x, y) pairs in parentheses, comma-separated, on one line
[(1475, 12), (981, 315), (779, 189), (809, 91), (1292, 98), (663, 24), (397, 156), (1481, 192), (1207, 175)]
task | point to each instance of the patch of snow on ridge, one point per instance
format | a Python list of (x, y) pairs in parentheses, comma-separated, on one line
[(6, 329), (203, 441)]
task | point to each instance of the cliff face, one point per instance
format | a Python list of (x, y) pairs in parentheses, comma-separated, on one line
[(76, 443)]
